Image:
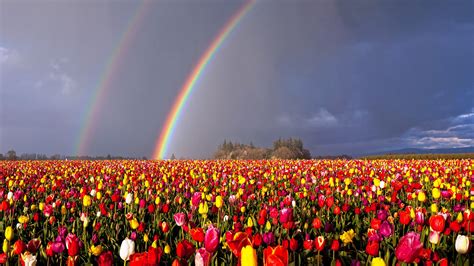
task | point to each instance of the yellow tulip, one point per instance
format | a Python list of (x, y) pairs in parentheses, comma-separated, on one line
[(248, 256), (134, 224), (434, 208), (86, 201), (377, 262), (167, 249), (203, 208), (23, 219), (347, 236), (249, 222), (96, 250), (268, 226), (219, 202), (9, 233), (6, 246), (436, 193), (145, 238), (421, 196)]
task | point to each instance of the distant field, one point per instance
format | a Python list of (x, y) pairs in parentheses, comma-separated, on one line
[(422, 156)]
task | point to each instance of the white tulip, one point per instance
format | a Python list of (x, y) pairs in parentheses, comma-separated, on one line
[(129, 198), (127, 248), (28, 259), (462, 244), (382, 184), (433, 237), (10, 195), (93, 193)]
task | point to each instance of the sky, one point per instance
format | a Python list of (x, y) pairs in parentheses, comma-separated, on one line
[(346, 77)]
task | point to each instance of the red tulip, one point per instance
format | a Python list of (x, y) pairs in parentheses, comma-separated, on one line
[(197, 234), (237, 242), (154, 255), (293, 244), (19, 247), (184, 249), (375, 223), (72, 245), (308, 244), (405, 217), (71, 260), (316, 223), (275, 256), (437, 223), (138, 259), (3, 258), (257, 240), (105, 259), (211, 239), (33, 245), (335, 245), (49, 249), (372, 248), (319, 243)]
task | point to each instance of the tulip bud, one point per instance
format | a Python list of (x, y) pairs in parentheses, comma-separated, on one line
[(9, 233), (167, 249)]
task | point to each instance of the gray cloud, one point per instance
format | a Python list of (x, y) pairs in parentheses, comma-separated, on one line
[(346, 77)]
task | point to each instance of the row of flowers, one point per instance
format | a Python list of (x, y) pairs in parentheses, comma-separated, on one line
[(237, 212)]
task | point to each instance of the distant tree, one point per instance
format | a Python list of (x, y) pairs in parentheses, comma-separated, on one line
[(1, 156), (173, 157), (11, 155), (283, 153), (109, 157), (55, 157)]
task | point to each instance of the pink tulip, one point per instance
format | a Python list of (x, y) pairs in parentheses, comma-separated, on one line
[(419, 218), (408, 247), (211, 239), (180, 218), (286, 215), (202, 258)]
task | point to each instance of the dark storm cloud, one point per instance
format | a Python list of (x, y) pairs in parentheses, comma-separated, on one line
[(346, 77)]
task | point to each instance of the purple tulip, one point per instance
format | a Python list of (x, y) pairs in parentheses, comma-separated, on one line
[(133, 236), (58, 247), (386, 229), (419, 218), (382, 215), (268, 238)]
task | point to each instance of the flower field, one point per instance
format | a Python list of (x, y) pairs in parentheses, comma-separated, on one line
[(277, 212)]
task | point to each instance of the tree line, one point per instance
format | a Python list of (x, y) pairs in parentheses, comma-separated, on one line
[(291, 148), (12, 155)]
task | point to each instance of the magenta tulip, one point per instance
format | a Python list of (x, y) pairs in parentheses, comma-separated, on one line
[(408, 247), (211, 239)]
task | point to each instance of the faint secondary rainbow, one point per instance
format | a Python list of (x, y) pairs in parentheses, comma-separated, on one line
[(89, 122), (162, 143)]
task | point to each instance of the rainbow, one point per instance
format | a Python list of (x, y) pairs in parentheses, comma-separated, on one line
[(113, 64), (172, 119)]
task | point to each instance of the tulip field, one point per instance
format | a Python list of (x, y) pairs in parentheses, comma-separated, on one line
[(222, 212)]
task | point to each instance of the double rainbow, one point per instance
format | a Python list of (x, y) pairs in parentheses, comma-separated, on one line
[(113, 64), (162, 143)]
